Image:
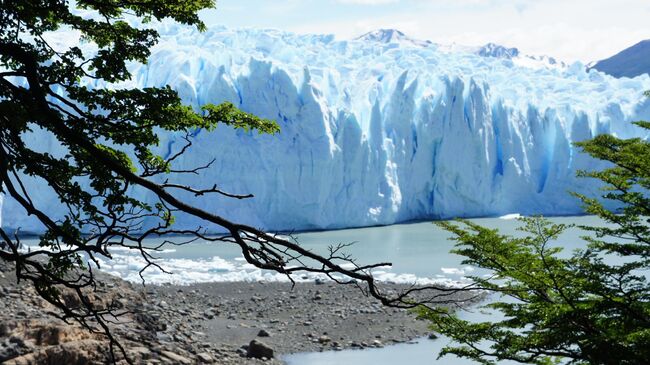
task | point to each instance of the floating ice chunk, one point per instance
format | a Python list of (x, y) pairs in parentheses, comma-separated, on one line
[(510, 216)]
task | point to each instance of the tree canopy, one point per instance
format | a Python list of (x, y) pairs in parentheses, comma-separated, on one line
[(591, 306), (109, 134)]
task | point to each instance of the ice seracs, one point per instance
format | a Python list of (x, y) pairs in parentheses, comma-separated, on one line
[(495, 50), (510, 216), (377, 130)]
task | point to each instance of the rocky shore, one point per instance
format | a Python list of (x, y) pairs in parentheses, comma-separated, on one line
[(221, 323)]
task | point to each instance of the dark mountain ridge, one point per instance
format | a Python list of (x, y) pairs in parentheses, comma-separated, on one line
[(630, 62)]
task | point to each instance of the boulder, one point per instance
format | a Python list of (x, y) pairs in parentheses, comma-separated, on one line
[(205, 358), (259, 350)]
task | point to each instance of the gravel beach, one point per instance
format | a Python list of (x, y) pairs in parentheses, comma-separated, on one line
[(221, 323)]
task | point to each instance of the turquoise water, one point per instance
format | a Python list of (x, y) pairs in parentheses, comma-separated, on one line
[(422, 249), (418, 251)]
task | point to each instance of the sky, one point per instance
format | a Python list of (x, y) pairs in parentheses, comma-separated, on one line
[(571, 30)]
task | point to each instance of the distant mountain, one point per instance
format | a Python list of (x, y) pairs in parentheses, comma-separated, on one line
[(490, 50), (391, 36), (631, 62)]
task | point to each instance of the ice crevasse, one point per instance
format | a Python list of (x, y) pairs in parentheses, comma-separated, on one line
[(379, 130)]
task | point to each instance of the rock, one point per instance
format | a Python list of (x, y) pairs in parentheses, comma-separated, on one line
[(324, 339), (10, 349), (76, 352), (164, 337), (205, 358), (259, 350), (141, 352), (263, 333), (177, 359), (433, 336), (242, 352)]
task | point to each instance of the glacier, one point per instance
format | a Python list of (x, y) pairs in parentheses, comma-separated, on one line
[(377, 130)]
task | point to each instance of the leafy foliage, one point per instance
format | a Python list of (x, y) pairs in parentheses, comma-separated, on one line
[(579, 308), (109, 134)]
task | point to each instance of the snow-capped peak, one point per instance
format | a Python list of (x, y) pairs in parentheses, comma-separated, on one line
[(493, 50), (391, 36), (384, 36)]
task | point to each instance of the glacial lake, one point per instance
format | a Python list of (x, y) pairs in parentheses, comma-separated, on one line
[(418, 252)]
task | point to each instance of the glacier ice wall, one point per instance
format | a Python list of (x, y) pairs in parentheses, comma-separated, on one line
[(380, 132)]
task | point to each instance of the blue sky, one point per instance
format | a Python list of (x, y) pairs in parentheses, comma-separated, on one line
[(571, 30)]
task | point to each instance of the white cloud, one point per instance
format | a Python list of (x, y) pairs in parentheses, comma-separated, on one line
[(570, 30)]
